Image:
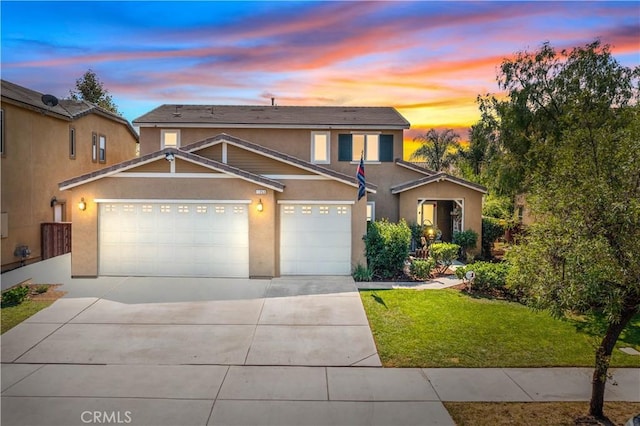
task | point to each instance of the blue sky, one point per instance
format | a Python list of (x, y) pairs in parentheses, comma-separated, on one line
[(428, 59)]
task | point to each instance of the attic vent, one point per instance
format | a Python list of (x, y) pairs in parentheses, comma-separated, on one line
[(177, 113), (257, 109), (348, 110)]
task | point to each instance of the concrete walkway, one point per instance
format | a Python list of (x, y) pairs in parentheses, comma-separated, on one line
[(288, 351), (55, 394)]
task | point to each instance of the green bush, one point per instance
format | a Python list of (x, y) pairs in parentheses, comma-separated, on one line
[(362, 273), (444, 254), (421, 268), (496, 206), (492, 229), (489, 276), (387, 247), (466, 240), (42, 288), (15, 296)]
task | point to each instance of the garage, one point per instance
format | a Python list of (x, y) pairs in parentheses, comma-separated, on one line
[(315, 239), (179, 238)]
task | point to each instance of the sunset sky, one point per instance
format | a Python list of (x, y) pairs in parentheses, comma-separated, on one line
[(430, 60)]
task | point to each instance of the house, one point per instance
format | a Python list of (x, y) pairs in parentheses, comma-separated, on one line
[(257, 191), (41, 145)]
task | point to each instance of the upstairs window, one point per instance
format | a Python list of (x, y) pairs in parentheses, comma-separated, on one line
[(102, 149), (374, 147), (72, 143), (365, 145), (170, 139), (94, 147), (320, 143)]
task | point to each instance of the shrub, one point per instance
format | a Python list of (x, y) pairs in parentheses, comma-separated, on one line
[(492, 229), (489, 276), (421, 268), (15, 296), (466, 240), (444, 254), (362, 273), (42, 288), (387, 247)]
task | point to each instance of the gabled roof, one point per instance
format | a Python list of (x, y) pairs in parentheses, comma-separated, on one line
[(160, 156), (276, 155), (242, 116), (67, 109), (438, 177), (417, 167)]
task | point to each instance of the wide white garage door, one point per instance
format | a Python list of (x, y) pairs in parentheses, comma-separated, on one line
[(315, 239), (174, 239)]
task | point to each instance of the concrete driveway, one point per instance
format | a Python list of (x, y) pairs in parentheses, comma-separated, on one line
[(297, 321)]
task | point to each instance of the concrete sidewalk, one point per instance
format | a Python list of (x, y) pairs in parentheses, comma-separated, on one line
[(36, 394)]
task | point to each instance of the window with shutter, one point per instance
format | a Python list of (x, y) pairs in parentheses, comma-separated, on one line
[(386, 148), (344, 148)]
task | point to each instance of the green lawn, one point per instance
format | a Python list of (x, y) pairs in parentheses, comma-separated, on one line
[(14, 315), (447, 328)]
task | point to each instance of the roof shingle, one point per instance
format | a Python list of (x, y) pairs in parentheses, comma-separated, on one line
[(275, 116)]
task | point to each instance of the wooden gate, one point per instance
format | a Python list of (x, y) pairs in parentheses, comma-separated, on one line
[(56, 239)]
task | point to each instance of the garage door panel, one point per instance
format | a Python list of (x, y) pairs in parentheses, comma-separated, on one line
[(315, 240), (164, 239)]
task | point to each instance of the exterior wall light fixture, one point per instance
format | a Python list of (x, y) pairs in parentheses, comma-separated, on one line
[(260, 206), (82, 205)]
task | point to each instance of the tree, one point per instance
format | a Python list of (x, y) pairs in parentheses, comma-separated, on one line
[(475, 161), (90, 88), (569, 134), (437, 149)]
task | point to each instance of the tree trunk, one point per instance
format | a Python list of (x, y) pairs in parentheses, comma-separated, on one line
[(603, 358)]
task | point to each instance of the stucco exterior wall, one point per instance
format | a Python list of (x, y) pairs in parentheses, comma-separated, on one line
[(84, 257), (264, 256), (37, 159), (445, 191), (297, 142)]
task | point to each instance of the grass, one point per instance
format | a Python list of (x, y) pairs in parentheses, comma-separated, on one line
[(14, 315), (534, 413), (448, 328)]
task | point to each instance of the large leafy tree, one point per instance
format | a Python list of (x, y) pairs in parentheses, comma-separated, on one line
[(437, 149), (569, 135), (90, 88)]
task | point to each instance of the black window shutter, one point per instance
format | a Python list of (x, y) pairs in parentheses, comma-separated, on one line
[(386, 148), (344, 148)]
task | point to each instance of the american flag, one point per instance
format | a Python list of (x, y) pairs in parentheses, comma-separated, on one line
[(361, 180)]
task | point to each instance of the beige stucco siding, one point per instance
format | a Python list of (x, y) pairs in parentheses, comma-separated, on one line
[(37, 159), (84, 258), (445, 190)]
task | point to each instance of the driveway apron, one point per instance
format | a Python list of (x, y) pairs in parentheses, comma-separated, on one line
[(142, 320)]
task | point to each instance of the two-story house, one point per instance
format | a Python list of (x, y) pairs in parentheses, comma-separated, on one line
[(42, 142), (249, 191)]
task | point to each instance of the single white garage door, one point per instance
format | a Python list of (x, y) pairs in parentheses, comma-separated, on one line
[(174, 239), (315, 239)]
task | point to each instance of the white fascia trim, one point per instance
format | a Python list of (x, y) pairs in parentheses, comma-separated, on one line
[(297, 177), (176, 175), (165, 201), (316, 202), (436, 181), (109, 174), (367, 127)]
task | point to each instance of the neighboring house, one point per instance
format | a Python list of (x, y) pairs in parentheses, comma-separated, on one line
[(257, 191), (42, 145)]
